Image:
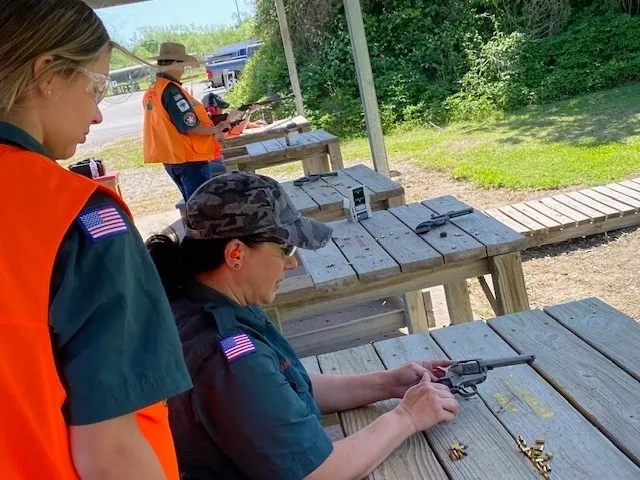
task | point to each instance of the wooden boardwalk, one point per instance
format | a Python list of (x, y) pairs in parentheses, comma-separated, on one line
[(574, 214)]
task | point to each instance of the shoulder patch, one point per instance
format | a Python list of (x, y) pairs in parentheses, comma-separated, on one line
[(237, 346), (102, 222), (190, 119), (183, 105)]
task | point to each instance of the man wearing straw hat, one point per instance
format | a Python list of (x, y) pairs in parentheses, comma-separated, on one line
[(177, 130)]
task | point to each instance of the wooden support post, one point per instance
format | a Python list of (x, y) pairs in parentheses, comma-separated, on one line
[(367, 87), (508, 283), (288, 53), (458, 302), (417, 320)]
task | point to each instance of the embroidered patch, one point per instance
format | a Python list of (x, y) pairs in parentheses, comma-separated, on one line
[(183, 105), (102, 222), (237, 346), (190, 119), (178, 96), (284, 365)]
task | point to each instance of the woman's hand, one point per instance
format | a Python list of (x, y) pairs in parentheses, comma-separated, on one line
[(423, 405), (427, 404), (400, 379)]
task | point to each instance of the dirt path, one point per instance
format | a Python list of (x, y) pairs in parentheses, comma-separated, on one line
[(604, 266)]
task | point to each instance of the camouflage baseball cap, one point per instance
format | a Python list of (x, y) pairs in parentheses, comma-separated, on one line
[(240, 204)]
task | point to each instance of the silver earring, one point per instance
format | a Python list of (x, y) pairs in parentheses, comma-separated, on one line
[(237, 266)]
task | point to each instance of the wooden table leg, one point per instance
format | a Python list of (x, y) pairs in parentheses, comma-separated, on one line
[(335, 155), (395, 202), (458, 302), (417, 320), (508, 283), (489, 294), (318, 164)]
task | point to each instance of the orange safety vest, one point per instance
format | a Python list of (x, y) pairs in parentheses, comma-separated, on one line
[(162, 142), (40, 202)]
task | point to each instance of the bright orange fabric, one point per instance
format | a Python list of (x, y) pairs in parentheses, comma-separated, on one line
[(163, 143), (40, 201)]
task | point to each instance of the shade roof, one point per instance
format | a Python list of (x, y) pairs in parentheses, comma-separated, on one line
[(110, 3)]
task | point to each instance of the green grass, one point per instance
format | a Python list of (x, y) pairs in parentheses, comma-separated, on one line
[(587, 140), (119, 155)]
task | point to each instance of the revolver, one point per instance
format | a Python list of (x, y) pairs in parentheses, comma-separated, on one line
[(314, 177), (438, 220), (462, 376)]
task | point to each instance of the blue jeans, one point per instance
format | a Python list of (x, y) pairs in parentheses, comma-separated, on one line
[(189, 176)]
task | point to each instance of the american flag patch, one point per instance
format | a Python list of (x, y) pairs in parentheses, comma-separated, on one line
[(237, 347), (102, 222)]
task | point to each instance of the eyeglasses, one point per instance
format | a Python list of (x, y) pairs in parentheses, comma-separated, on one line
[(98, 86)]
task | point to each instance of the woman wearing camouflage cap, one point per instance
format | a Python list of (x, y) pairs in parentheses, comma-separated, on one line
[(254, 412)]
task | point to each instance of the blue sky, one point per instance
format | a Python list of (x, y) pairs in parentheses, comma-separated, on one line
[(123, 21)]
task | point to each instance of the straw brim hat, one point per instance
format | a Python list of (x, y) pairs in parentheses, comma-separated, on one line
[(178, 53)]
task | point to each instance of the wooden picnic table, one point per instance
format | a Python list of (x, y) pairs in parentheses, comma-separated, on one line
[(383, 256), (323, 199), (581, 396), (273, 130), (318, 150)]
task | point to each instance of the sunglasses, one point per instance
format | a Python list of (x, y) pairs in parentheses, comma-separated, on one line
[(288, 249), (98, 85)]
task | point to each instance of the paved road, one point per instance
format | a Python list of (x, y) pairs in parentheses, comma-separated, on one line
[(123, 116)]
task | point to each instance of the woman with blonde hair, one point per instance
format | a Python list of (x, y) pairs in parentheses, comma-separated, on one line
[(89, 351)]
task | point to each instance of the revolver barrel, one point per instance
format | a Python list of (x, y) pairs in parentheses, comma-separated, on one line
[(507, 361)]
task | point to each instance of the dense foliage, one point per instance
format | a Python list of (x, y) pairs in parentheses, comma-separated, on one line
[(440, 60)]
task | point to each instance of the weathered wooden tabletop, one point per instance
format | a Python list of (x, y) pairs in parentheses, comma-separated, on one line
[(323, 198), (273, 130), (383, 256), (316, 144), (581, 396)]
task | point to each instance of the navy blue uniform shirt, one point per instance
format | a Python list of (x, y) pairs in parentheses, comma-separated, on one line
[(251, 413)]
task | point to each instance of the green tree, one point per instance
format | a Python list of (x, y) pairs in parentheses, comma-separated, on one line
[(198, 40)]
